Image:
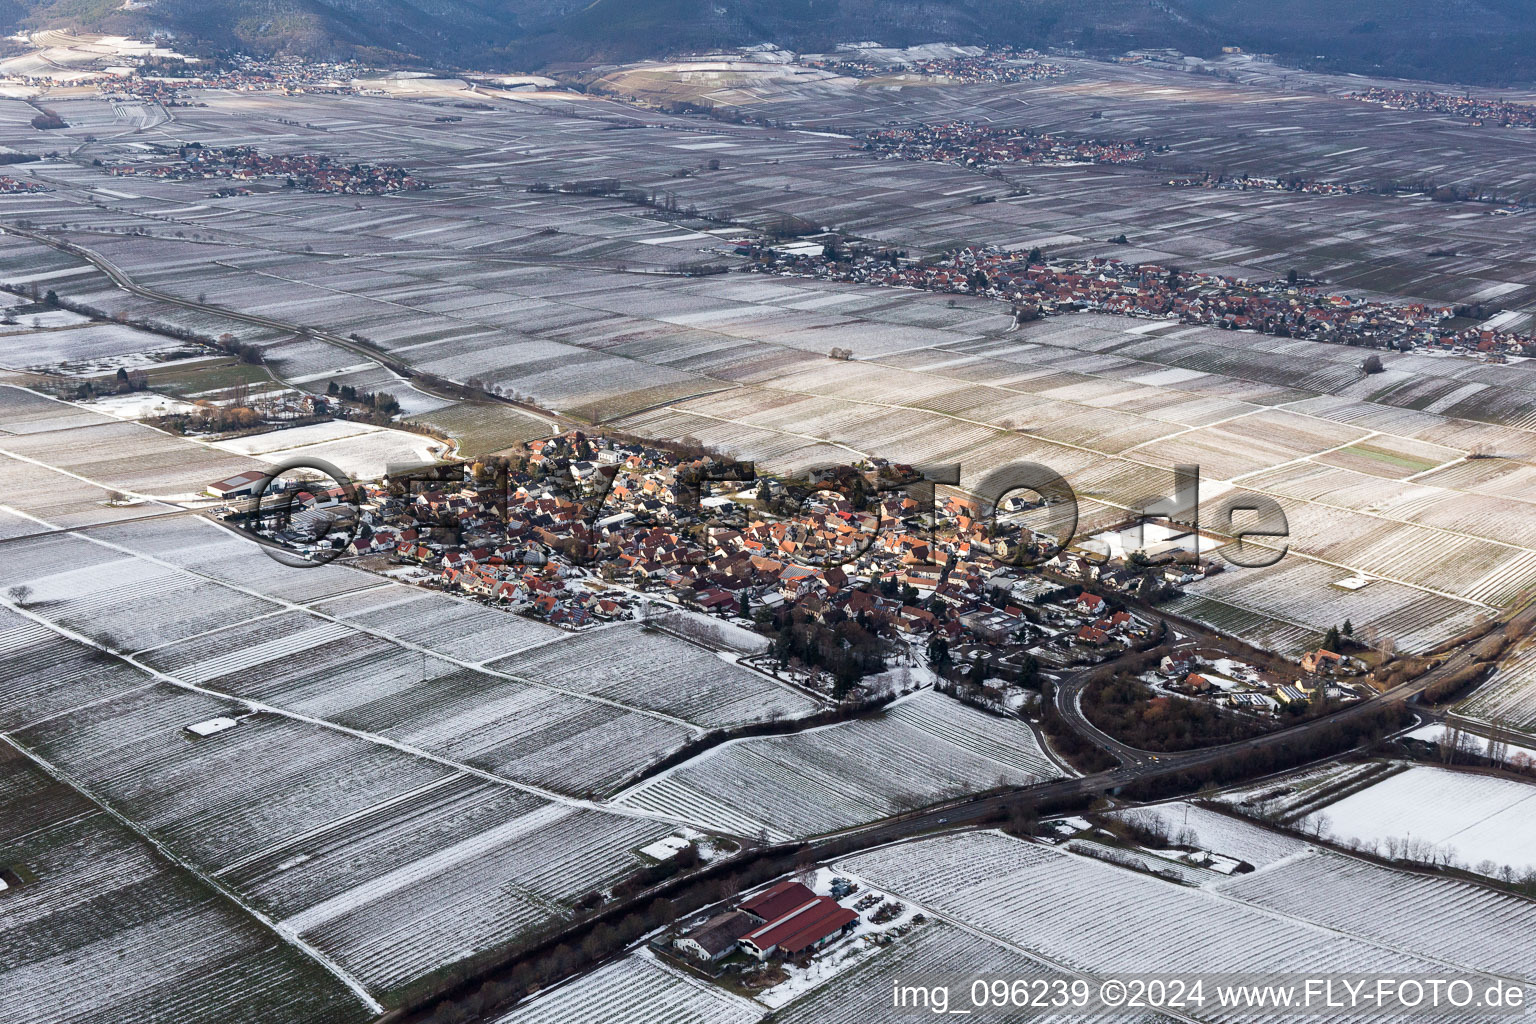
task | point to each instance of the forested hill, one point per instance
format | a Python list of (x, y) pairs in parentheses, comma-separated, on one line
[(1472, 41)]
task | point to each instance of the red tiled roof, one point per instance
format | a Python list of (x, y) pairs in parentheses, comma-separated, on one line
[(814, 932), (778, 901), (801, 927)]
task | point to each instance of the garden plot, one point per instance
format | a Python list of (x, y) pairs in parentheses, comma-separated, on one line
[(654, 671), (1436, 815), (103, 928), (1086, 915), (1468, 924), (1509, 697), (923, 749), (637, 989)]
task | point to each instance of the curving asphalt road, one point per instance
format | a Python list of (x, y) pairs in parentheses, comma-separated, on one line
[(1141, 765)]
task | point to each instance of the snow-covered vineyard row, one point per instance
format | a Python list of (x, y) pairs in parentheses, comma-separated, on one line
[(44, 498), (1291, 796), (160, 946), (127, 456), (118, 600), (576, 719), (43, 675), (207, 549), (325, 669), (1301, 596), (1477, 927), (1509, 698), (1215, 832), (392, 864), (1090, 916), (654, 671), (432, 906), (636, 990), (923, 749), (453, 626), (936, 952)]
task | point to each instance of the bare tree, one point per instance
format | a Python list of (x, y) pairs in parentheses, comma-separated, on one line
[(20, 595)]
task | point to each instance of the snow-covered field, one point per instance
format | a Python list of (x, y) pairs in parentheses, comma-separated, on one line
[(924, 748), (107, 452), (659, 672), (1434, 814), (86, 349), (1465, 923), (1223, 834), (382, 813), (1509, 697), (639, 989), (362, 451), (103, 928), (1478, 744), (935, 951), (1086, 915)]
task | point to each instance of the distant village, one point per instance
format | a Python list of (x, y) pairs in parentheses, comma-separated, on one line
[(1504, 113), (1003, 65), (979, 145), (1251, 183), (1290, 308), (310, 172), (10, 186), (166, 79)]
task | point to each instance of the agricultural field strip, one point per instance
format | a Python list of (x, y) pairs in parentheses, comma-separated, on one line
[(1122, 456), (96, 260), (337, 823), (1080, 865), (1509, 697), (105, 698), (1350, 895), (288, 935), (848, 870), (921, 737), (292, 606), (255, 705), (209, 632), (636, 989), (85, 480)]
